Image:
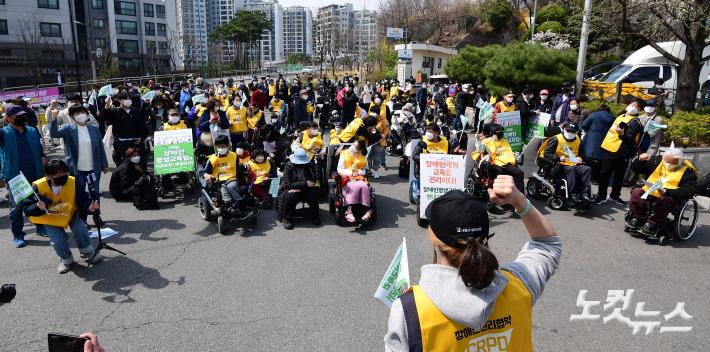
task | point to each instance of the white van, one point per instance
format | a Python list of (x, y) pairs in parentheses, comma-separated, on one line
[(646, 65)]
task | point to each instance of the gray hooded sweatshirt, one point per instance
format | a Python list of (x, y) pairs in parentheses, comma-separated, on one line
[(535, 264)]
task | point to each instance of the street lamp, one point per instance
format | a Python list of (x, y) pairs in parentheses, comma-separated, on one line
[(75, 39)]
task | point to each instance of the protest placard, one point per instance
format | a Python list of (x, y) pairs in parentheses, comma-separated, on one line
[(173, 152), (510, 121), (20, 188), (396, 279), (439, 173), (536, 126)]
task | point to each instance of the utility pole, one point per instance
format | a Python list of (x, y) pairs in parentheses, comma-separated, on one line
[(76, 45), (583, 47), (532, 21)]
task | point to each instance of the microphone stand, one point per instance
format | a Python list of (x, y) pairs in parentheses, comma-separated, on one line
[(98, 223)]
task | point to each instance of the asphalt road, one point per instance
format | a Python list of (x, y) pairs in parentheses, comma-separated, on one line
[(184, 287)]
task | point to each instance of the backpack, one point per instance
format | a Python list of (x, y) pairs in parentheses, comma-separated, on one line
[(404, 167), (146, 196)]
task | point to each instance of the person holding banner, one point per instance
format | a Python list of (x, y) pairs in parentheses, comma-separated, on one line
[(565, 148), (505, 105), (62, 203), (20, 152), (466, 298), (677, 178)]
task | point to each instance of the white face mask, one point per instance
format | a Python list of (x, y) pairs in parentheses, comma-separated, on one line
[(670, 166), (632, 110), (174, 119), (222, 151), (135, 159), (649, 109), (237, 103), (573, 107), (352, 149), (509, 100), (429, 136), (439, 123), (569, 135), (56, 189), (304, 97), (240, 151), (543, 97), (378, 101), (81, 118), (313, 132), (259, 160), (127, 103)]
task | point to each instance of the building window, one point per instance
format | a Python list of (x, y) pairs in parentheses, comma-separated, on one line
[(150, 47), (99, 23), (53, 55), (48, 4), (50, 29), (2, 2), (3, 27), (148, 10), (160, 9), (125, 8), (149, 28), (438, 64), (162, 30), (126, 27), (97, 4), (128, 64), (127, 46), (99, 43)]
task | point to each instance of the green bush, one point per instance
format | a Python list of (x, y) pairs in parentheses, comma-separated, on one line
[(496, 13), (551, 12), (468, 65), (691, 125), (552, 26)]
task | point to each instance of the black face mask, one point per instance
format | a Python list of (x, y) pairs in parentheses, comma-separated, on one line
[(60, 180), (20, 121), (500, 134)]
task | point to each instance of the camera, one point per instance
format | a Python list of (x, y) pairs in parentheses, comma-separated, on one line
[(7, 293)]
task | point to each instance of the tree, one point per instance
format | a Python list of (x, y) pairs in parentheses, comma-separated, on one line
[(468, 65), (685, 21), (244, 30), (297, 58), (40, 51)]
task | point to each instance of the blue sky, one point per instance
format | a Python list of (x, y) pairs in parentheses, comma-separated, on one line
[(314, 4)]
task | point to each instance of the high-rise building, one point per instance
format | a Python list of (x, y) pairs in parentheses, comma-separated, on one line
[(192, 32), (335, 30), (272, 47), (365, 33), (298, 35), (220, 12)]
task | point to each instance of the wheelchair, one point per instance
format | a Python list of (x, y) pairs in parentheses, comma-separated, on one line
[(680, 225), (212, 207), (479, 180), (336, 201)]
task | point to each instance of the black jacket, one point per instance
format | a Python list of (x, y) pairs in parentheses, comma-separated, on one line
[(349, 104), (526, 111), (686, 186), (131, 124), (123, 181), (545, 106), (298, 112), (295, 176)]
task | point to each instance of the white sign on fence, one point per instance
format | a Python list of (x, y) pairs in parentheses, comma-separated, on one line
[(395, 33), (439, 173)]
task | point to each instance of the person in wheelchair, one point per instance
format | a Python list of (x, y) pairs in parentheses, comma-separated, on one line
[(298, 184), (310, 140), (578, 175), (260, 170), (224, 167), (431, 143), (679, 178), (357, 129), (503, 160), (352, 166), (173, 123)]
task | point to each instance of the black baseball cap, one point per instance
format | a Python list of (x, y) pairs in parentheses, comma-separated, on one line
[(456, 218), (572, 127)]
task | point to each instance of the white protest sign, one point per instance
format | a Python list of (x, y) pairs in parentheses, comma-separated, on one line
[(396, 279), (20, 188), (653, 187), (439, 173)]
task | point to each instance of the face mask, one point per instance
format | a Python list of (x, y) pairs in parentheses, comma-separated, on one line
[(60, 180), (237, 103), (222, 151), (86, 105), (631, 110), (185, 90), (570, 135), (127, 103), (159, 106), (378, 101), (304, 97), (240, 151), (135, 159), (80, 118), (174, 119), (429, 136), (649, 109), (573, 107), (439, 123), (20, 121), (669, 166), (314, 132), (543, 97), (352, 149), (259, 160), (509, 100)]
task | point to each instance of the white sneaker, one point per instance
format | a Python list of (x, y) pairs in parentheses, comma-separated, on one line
[(64, 268), (375, 174)]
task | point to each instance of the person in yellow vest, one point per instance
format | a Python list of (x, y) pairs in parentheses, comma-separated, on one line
[(352, 165), (174, 122), (278, 111), (310, 140), (578, 175), (259, 169), (356, 129), (272, 89), (255, 119), (432, 142), (237, 115), (503, 161), (620, 144), (679, 178), (61, 203), (466, 300), (505, 105), (224, 166)]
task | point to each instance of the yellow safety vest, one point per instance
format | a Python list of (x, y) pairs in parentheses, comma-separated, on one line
[(574, 145), (224, 168), (347, 133), (612, 142), (272, 90), (237, 119), (334, 139), (178, 126), (199, 109), (394, 92), (62, 207), (353, 163), (440, 147), (312, 145), (506, 157), (451, 105), (310, 108), (543, 146), (253, 121), (276, 105), (672, 178), (257, 168), (508, 328)]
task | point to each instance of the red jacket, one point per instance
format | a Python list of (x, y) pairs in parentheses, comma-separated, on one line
[(339, 97), (258, 98)]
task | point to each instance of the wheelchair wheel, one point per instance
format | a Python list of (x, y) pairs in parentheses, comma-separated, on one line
[(556, 202), (533, 188), (686, 221), (471, 184), (204, 209), (221, 225), (412, 197)]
